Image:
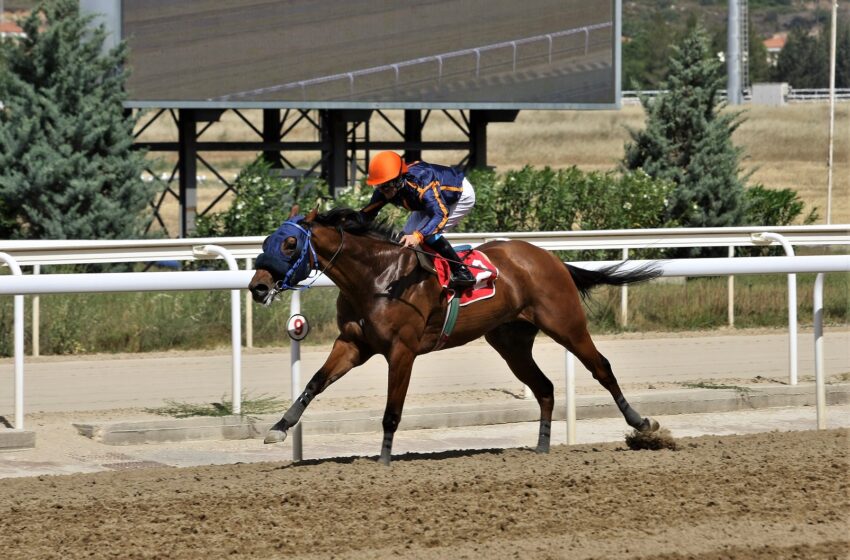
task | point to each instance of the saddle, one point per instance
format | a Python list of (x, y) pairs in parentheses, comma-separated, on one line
[(479, 265)]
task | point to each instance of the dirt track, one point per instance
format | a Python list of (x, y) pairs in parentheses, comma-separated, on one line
[(773, 495)]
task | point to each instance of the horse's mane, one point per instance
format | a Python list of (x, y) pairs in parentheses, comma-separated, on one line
[(351, 221)]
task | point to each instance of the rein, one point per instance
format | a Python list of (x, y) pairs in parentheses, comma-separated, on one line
[(435, 255)]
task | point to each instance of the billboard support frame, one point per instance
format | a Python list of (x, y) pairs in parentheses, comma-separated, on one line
[(338, 146)]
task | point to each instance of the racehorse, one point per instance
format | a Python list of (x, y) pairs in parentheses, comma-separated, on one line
[(388, 304)]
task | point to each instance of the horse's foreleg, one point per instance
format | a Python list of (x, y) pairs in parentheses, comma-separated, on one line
[(401, 365), (345, 355)]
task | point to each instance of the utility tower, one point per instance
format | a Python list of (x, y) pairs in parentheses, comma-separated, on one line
[(737, 49)]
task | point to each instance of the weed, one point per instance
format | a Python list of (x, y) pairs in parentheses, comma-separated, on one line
[(251, 406)]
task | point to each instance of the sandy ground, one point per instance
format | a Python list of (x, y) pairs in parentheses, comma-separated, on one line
[(470, 373), (767, 495), (770, 495)]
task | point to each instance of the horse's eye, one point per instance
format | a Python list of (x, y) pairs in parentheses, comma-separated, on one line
[(288, 246)]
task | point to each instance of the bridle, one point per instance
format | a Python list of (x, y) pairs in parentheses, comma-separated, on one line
[(307, 252)]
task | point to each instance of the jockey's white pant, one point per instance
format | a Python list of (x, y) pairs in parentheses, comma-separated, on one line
[(458, 210)]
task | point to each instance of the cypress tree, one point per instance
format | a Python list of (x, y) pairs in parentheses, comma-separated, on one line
[(67, 170), (688, 140)]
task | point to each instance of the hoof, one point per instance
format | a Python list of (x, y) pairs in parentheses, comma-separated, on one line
[(275, 436), (649, 425), (541, 449)]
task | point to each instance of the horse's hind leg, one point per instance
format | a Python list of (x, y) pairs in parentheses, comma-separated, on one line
[(345, 355), (513, 341), (582, 346), (569, 328)]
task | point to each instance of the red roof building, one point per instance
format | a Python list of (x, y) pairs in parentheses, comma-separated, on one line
[(773, 46)]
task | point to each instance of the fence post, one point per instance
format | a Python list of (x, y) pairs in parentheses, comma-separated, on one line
[(18, 345), (766, 238), (235, 323), (820, 387), (731, 292), (624, 296), (36, 317), (295, 365), (249, 312)]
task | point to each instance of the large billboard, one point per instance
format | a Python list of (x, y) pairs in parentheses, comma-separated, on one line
[(373, 53)]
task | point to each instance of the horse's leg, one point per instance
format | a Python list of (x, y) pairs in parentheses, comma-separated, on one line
[(344, 356), (513, 341), (401, 364), (582, 346), (565, 322)]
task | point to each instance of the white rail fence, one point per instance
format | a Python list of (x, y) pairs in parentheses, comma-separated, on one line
[(469, 62), (19, 285), (36, 253), (42, 253)]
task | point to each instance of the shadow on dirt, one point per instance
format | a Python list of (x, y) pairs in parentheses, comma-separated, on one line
[(435, 456)]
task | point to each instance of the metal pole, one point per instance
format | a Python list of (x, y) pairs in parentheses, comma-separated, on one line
[(18, 388), (235, 323), (295, 365), (249, 312), (733, 54), (792, 303), (731, 293), (831, 113), (36, 317), (820, 387), (571, 398), (624, 297)]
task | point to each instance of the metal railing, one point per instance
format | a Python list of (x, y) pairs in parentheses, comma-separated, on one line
[(799, 95), (19, 285), (473, 69), (28, 253), (43, 253)]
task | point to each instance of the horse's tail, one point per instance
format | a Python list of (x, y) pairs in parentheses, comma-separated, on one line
[(585, 279)]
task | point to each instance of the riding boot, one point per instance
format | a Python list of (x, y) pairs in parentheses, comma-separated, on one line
[(461, 278)]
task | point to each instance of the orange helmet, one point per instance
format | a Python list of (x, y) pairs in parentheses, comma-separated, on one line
[(384, 167)]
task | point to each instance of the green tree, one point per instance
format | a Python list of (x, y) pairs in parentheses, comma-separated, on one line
[(688, 140), (645, 51), (263, 201), (799, 62), (757, 57), (67, 168)]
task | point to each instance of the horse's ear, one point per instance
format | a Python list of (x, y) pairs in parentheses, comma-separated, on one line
[(312, 215), (293, 211)]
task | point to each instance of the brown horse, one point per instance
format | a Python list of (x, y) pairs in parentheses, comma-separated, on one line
[(389, 305)]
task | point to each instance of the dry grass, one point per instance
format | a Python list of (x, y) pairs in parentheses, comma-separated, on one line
[(785, 147)]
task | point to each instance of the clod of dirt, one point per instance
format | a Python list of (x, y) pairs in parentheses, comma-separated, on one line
[(661, 439)]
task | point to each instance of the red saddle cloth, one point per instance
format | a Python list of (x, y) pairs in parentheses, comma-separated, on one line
[(479, 265)]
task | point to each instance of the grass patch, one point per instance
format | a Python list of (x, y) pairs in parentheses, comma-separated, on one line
[(706, 385), (251, 406)]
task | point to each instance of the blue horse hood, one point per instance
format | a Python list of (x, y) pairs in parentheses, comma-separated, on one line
[(289, 269)]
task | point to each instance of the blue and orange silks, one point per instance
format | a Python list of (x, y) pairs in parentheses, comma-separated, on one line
[(427, 188)]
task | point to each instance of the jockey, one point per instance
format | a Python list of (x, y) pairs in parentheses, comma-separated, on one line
[(437, 196)]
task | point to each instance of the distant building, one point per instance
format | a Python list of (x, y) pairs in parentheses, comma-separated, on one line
[(8, 28), (774, 45)]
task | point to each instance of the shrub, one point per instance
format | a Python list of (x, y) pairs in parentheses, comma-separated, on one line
[(263, 201), (775, 207)]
